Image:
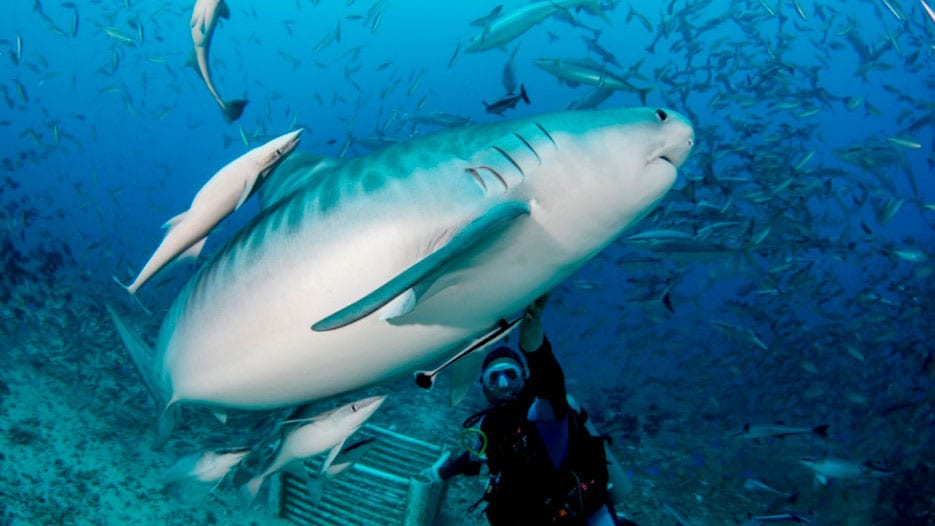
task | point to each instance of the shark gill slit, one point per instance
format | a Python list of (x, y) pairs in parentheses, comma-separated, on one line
[(497, 175), (518, 167), (547, 134), (533, 150), (478, 178)]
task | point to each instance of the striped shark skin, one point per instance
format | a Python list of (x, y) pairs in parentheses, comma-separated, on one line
[(357, 271)]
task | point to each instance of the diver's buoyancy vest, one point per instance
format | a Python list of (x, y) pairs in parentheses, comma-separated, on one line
[(525, 487)]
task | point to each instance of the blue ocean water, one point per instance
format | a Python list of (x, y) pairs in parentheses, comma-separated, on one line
[(800, 290)]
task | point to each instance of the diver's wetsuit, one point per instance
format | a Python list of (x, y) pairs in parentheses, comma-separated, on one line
[(545, 467)]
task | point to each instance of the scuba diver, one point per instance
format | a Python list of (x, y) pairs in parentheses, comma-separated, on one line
[(546, 464)]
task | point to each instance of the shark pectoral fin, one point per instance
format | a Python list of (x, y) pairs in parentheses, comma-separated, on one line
[(331, 456), (463, 374), (223, 10), (478, 230), (399, 306), (193, 251)]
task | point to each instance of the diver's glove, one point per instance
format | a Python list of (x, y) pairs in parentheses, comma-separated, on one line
[(433, 472)]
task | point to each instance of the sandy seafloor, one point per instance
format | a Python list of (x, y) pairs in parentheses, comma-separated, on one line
[(76, 426)]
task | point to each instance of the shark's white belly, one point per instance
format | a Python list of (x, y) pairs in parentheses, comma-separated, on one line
[(252, 345)]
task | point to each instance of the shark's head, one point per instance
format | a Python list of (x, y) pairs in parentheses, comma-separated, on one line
[(676, 137), (645, 147), (613, 167), (268, 156), (652, 141)]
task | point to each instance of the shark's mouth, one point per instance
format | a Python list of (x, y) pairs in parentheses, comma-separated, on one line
[(662, 154), (660, 157)]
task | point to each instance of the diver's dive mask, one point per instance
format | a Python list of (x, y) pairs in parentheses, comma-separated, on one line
[(503, 378)]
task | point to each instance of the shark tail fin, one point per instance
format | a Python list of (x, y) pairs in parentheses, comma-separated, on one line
[(233, 109), (142, 356), (522, 93)]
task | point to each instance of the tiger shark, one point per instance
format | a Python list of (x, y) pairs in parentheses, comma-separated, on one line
[(356, 271)]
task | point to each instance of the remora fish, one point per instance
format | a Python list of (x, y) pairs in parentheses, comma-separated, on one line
[(506, 27), (751, 484), (217, 199), (204, 20), (508, 76), (781, 517), (507, 103), (211, 466), (835, 468), (308, 437), (779, 430), (404, 256)]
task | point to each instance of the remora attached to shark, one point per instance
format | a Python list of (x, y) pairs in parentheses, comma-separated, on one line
[(218, 198), (399, 258)]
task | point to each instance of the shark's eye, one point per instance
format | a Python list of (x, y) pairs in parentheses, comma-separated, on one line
[(354, 407), (662, 115)]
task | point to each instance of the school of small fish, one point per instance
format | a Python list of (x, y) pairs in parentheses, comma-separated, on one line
[(779, 282)]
